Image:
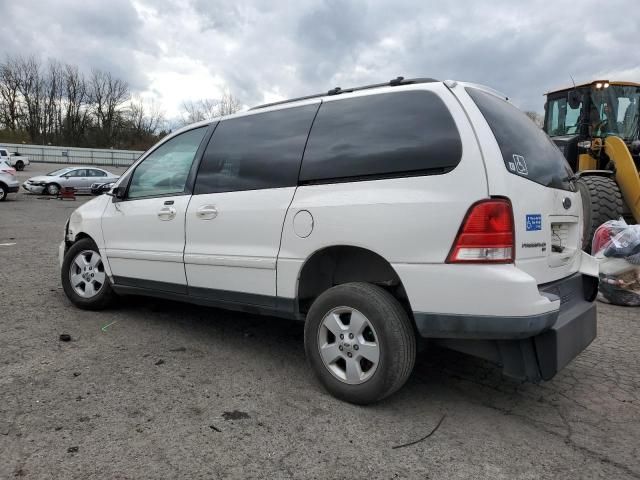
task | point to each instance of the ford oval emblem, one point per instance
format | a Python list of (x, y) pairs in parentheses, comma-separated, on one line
[(566, 203)]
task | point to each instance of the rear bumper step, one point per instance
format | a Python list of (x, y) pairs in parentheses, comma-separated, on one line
[(528, 348)]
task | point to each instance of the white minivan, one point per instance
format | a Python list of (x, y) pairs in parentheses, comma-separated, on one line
[(380, 216)]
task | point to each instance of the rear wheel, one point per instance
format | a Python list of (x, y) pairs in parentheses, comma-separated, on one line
[(601, 201), (3, 192), (359, 342), (19, 165)]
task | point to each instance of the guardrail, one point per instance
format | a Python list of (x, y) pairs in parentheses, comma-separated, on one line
[(75, 155)]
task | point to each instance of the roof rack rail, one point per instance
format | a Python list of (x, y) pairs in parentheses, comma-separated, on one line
[(337, 90)]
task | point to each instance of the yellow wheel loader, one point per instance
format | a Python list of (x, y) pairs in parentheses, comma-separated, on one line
[(596, 126)]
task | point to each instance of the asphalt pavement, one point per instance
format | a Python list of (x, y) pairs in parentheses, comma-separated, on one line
[(158, 389)]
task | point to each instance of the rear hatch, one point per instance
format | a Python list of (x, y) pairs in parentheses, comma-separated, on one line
[(525, 166)]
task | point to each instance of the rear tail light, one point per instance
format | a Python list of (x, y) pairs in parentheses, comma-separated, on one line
[(486, 235), (10, 171)]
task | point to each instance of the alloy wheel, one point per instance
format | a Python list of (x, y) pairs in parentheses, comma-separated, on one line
[(348, 345), (86, 274)]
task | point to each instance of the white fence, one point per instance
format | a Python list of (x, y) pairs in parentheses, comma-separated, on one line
[(73, 155)]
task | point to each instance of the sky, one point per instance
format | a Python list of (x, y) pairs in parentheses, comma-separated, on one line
[(173, 51)]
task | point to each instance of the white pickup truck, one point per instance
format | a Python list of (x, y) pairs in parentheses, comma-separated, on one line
[(16, 160)]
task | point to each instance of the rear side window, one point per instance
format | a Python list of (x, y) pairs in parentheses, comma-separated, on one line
[(257, 151), (391, 134), (526, 150)]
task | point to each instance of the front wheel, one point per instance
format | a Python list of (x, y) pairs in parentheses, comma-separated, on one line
[(3, 192), (83, 276), (360, 342), (52, 189)]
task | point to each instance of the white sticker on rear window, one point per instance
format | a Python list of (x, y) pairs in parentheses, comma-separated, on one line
[(521, 165)]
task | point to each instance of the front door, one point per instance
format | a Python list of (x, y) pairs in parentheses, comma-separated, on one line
[(245, 183), (144, 232), (76, 179)]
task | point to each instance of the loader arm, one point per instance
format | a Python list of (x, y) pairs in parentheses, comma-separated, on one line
[(626, 173)]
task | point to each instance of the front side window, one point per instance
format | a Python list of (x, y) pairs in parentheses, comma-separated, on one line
[(389, 134), (97, 173), (166, 169), (76, 173), (255, 152)]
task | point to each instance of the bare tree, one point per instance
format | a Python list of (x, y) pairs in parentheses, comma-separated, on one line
[(28, 72), (108, 95), (145, 118), (57, 103), (208, 108), (9, 90), (52, 90), (228, 104), (76, 103), (198, 110)]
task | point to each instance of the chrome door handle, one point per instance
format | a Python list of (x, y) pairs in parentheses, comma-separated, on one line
[(207, 212), (167, 213)]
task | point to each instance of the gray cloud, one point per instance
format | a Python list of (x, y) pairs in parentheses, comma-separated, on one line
[(261, 49)]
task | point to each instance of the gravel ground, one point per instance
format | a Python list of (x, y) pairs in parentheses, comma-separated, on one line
[(156, 389)]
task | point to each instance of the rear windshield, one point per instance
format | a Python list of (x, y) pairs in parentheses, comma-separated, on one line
[(526, 150)]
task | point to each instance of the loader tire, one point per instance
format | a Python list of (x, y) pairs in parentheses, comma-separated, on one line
[(601, 201)]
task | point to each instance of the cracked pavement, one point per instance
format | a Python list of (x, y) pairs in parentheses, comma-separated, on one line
[(157, 389)]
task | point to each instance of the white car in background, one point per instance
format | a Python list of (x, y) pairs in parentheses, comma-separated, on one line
[(8, 181), (80, 178), (14, 160)]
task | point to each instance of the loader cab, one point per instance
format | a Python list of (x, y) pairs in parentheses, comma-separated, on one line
[(576, 116)]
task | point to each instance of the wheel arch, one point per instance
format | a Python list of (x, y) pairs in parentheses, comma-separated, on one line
[(338, 264), (53, 183), (79, 236)]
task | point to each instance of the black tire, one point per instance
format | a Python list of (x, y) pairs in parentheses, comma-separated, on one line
[(601, 201), (105, 296), (395, 336), (19, 165), (4, 190), (52, 189)]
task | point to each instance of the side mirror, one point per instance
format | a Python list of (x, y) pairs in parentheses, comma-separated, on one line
[(117, 193)]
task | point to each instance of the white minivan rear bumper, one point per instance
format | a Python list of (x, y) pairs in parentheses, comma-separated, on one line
[(479, 290), (499, 313)]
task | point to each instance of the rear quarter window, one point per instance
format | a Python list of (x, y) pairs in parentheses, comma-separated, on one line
[(526, 150), (384, 135)]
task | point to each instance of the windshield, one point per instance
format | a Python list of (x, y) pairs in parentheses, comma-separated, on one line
[(614, 111), (57, 173), (611, 111)]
